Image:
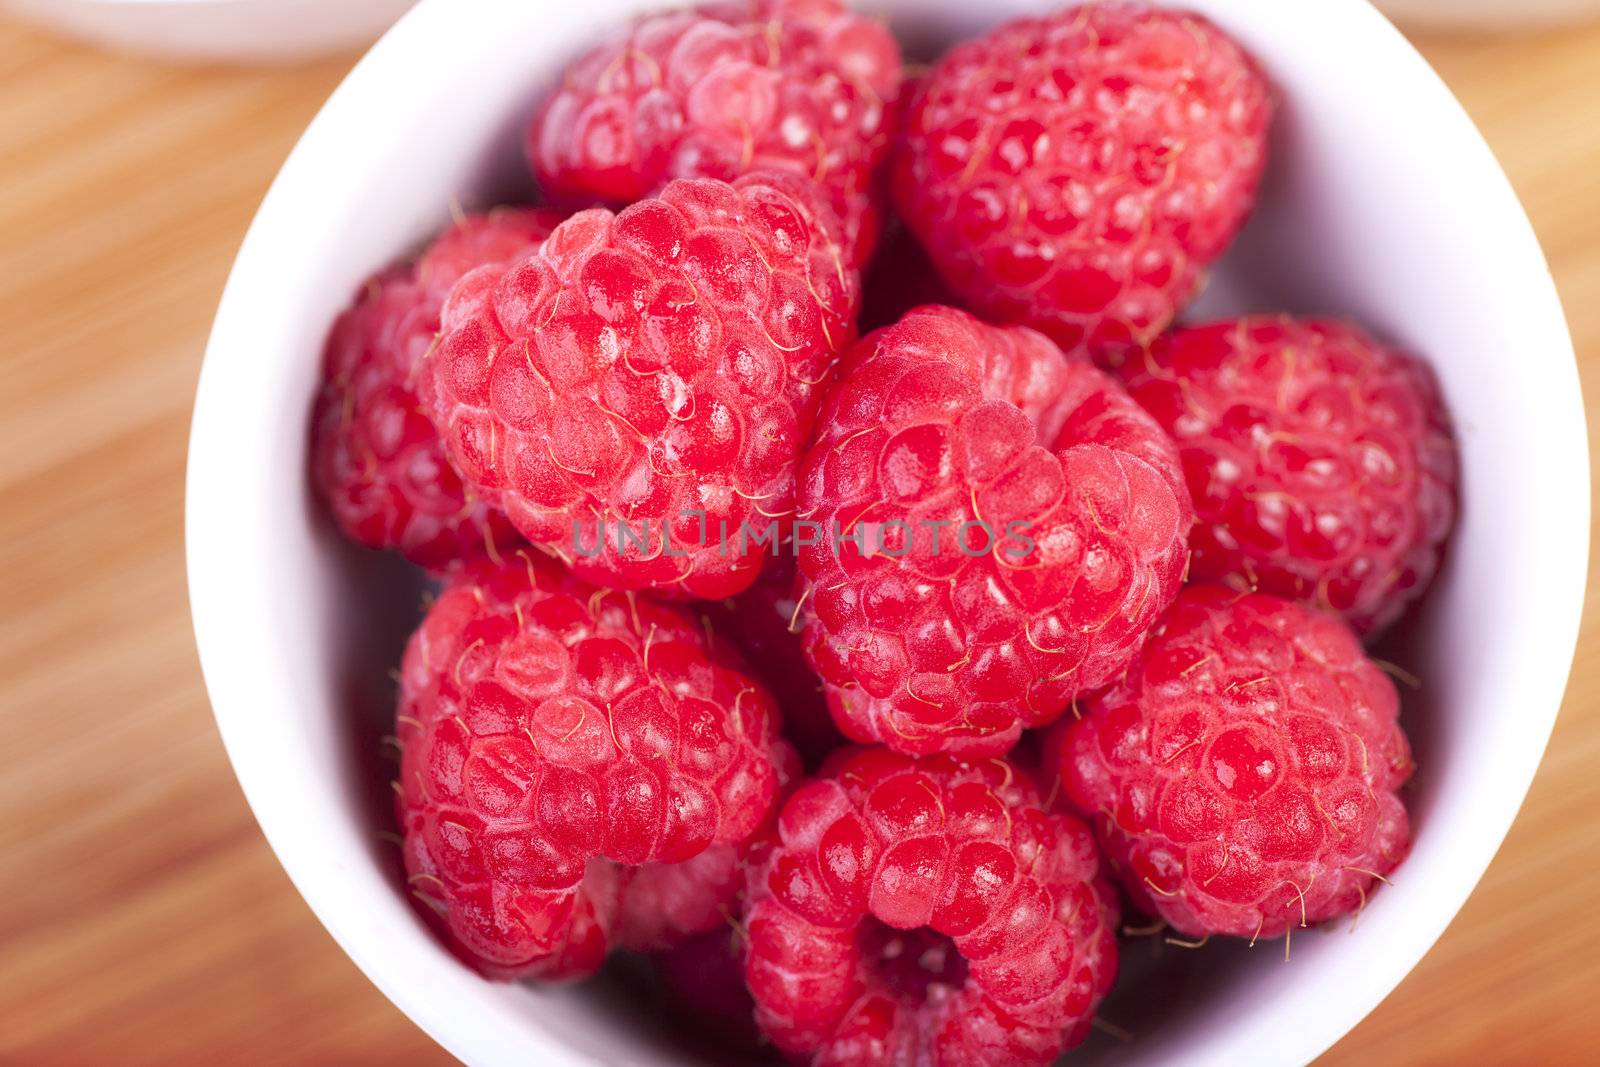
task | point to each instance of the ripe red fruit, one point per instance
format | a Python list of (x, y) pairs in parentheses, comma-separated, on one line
[(375, 456), (635, 393), (928, 911), (551, 732), (1321, 462), (803, 86), (1243, 777), (1078, 172), (766, 623), (1064, 522)]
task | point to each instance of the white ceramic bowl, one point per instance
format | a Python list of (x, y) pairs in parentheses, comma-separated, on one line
[(242, 30), (1382, 201)]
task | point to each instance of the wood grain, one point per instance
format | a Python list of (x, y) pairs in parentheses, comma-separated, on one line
[(144, 918)]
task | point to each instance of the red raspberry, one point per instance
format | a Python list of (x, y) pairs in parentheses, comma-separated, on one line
[(803, 86), (649, 371), (506, 933), (1244, 775), (376, 457), (1078, 172), (1321, 462), (765, 622), (928, 911), (549, 729), (927, 640)]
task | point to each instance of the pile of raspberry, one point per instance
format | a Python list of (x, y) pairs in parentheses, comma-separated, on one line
[(855, 589)]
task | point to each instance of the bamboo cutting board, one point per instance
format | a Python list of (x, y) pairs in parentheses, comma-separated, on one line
[(142, 917)]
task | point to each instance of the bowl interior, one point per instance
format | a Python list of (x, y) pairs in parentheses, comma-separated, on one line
[(1381, 202)]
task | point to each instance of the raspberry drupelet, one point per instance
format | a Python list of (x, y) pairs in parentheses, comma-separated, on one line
[(927, 910), (376, 457), (1078, 172), (1000, 524), (635, 393), (1321, 462), (722, 90), (1244, 776), (555, 737)]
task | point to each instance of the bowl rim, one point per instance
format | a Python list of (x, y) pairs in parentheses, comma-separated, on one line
[(210, 582)]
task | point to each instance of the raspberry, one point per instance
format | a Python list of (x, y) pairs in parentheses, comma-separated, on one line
[(503, 933), (1078, 172), (550, 730), (1244, 776), (1321, 462), (376, 458), (928, 911), (636, 392), (928, 640), (728, 88), (765, 622)]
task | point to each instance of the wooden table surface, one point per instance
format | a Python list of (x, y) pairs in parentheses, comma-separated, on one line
[(143, 918)]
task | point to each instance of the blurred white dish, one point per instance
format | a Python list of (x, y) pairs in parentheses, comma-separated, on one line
[(244, 30), (1381, 201)]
